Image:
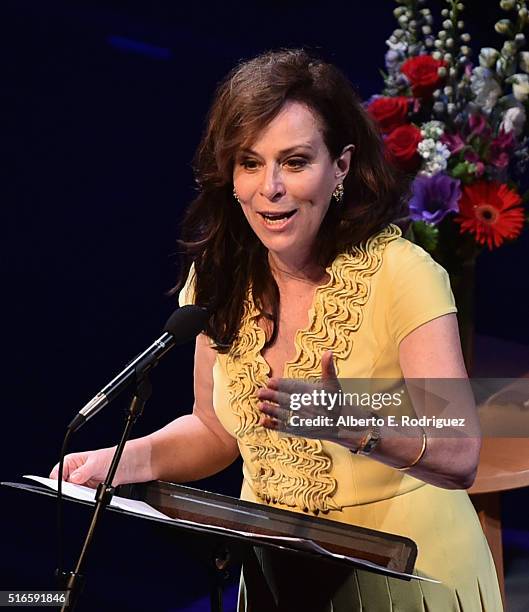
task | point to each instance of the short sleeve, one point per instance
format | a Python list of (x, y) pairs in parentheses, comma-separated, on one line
[(419, 289), (187, 293)]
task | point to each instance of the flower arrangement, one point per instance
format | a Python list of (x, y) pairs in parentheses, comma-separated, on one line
[(458, 127)]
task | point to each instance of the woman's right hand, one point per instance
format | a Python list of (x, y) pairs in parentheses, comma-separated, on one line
[(91, 467), (88, 468)]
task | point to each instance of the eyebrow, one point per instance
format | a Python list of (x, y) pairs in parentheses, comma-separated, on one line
[(283, 151)]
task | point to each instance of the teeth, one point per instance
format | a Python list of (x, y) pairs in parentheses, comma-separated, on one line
[(275, 221)]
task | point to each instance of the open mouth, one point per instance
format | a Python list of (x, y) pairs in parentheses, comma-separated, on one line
[(278, 217)]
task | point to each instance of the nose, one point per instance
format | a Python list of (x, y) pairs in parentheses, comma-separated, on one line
[(272, 186)]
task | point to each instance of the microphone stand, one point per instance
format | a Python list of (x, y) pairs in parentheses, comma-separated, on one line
[(105, 490)]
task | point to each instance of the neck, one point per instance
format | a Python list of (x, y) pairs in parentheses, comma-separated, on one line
[(301, 269)]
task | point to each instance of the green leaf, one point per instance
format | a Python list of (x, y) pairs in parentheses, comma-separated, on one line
[(460, 169), (425, 235)]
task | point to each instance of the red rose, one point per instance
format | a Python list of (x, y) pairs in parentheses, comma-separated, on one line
[(423, 75), (389, 112), (401, 147)]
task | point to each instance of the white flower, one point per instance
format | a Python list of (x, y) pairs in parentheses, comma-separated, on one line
[(508, 49), (514, 120), (503, 26), (523, 56), (398, 46), (485, 88), (435, 155), (426, 148), (441, 150), (520, 86), (488, 57), (433, 129), (433, 167)]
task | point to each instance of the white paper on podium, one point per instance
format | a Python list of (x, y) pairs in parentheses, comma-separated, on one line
[(138, 507), (87, 494)]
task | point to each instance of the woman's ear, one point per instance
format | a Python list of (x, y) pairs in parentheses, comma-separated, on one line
[(343, 163)]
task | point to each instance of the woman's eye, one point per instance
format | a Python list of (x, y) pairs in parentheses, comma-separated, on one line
[(249, 164), (296, 163)]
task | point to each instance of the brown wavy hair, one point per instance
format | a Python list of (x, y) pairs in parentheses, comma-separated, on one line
[(228, 257)]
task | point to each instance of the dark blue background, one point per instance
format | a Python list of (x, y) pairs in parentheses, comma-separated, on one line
[(103, 105)]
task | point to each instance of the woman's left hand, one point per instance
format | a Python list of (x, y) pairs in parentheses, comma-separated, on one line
[(307, 409)]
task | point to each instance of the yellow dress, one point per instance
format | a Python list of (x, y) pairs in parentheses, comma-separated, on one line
[(376, 295)]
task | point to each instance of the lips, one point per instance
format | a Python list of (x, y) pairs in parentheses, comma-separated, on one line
[(277, 217), (278, 221)]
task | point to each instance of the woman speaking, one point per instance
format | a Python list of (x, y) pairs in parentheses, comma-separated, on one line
[(292, 245)]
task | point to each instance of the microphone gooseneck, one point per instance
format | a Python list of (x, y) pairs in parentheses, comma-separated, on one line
[(183, 325)]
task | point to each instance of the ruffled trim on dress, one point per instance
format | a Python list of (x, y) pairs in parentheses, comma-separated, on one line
[(289, 470)]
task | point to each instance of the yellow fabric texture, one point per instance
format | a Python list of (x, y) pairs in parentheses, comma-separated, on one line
[(376, 295)]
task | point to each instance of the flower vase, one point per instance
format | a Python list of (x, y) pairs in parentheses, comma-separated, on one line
[(463, 281)]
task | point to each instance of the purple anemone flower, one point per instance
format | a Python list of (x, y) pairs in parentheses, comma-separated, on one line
[(433, 197)]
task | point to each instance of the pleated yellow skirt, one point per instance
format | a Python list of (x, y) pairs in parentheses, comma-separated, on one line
[(451, 549)]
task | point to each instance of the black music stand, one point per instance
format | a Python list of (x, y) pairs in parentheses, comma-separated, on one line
[(230, 528)]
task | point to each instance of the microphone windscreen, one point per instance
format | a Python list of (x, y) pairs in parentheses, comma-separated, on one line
[(186, 323)]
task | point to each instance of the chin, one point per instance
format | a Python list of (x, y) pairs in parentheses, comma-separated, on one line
[(285, 249)]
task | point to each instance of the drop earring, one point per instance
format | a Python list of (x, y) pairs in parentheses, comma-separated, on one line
[(337, 194), (236, 196)]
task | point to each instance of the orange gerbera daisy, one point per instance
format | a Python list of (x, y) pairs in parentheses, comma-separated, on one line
[(491, 211)]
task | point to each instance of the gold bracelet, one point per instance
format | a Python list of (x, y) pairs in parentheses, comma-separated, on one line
[(419, 456)]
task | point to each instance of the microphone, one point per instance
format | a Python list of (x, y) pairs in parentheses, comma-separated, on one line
[(183, 325)]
